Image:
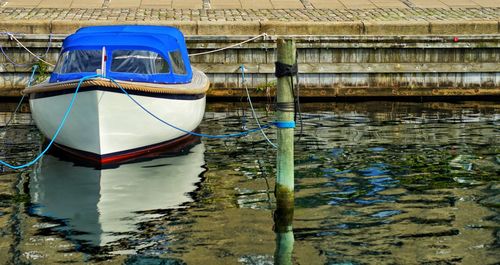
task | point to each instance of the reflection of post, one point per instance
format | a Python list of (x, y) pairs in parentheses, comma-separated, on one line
[(283, 216), (284, 236)]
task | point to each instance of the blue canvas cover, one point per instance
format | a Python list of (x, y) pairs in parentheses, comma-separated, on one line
[(154, 54)]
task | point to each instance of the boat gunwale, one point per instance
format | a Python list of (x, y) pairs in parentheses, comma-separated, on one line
[(198, 85)]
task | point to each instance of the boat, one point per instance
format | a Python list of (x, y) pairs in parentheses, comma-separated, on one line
[(100, 206), (133, 73)]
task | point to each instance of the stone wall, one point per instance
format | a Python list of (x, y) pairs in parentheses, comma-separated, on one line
[(329, 65)]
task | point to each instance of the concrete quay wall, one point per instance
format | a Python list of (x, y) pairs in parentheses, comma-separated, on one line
[(475, 26), (336, 59)]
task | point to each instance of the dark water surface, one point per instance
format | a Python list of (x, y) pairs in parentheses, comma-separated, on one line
[(376, 183)]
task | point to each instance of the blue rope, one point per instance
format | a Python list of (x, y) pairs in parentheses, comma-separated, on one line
[(35, 67), (221, 136), (22, 98), (284, 124), (73, 99), (61, 125)]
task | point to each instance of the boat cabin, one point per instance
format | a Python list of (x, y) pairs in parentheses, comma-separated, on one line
[(153, 54)]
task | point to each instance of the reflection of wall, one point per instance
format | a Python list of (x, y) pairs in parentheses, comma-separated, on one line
[(375, 128), (101, 202), (378, 122)]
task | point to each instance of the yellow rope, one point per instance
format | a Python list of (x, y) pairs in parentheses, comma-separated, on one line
[(49, 87)]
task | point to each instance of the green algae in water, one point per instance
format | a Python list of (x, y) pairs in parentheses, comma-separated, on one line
[(376, 182)]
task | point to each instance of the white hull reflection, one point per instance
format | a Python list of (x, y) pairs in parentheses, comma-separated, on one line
[(104, 203)]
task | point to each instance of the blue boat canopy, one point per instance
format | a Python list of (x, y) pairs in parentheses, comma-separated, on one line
[(153, 54)]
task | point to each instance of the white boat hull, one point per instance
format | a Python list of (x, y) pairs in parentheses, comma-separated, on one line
[(106, 123)]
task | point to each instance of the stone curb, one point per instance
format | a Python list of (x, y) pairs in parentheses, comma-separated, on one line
[(396, 28), (228, 28), (66, 27), (464, 27), (311, 28), (26, 26), (271, 27)]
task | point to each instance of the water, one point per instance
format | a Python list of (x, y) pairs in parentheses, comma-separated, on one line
[(376, 183)]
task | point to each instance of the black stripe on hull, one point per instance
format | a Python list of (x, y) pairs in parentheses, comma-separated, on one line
[(116, 90)]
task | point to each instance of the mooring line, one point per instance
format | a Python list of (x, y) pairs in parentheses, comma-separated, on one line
[(28, 50), (22, 98), (242, 67), (230, 46), (10, 60), (264, 35), (221, 136), (61, 125), (73, 99), (49, 44)]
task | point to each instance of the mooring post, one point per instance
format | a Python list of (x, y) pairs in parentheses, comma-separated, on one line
[(285, 123), (284, 191)]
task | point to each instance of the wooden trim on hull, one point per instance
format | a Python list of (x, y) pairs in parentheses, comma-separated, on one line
[(198, 85), (133, 155)]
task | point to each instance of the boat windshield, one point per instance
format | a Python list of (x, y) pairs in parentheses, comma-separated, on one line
[(177, 62), (77, 61), (139, 62)]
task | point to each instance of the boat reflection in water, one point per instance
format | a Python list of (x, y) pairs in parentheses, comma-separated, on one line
[(100, 206)]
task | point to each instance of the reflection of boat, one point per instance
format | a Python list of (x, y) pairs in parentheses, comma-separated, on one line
[(104, 203), (149, 62)]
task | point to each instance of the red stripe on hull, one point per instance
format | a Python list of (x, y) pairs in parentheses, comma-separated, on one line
[(146, 152)]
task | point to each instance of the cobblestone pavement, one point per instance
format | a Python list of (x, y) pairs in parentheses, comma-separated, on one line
[(236, 14), (250, 4)]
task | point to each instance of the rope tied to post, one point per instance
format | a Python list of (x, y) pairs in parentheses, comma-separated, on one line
[(284, 124), (73, 99), (286, 70), (283, 69)]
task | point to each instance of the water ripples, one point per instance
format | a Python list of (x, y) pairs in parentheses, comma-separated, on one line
[(375, 182)]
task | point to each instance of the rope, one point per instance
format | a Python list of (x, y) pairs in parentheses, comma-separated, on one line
[(283, 69), (230, 46), (73, 99), (61, 125), (49, 44), (242, 67), (32, 75), (22, 98), (298, 111), (199, 85), (10, 60), (28, 50), (221, 136)]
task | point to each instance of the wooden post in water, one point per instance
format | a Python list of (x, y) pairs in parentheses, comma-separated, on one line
[(284, 191), (285, 113)]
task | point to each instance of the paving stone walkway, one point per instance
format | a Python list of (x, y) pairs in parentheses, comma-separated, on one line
[(250, 4), (248, 17), (237, 14)]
